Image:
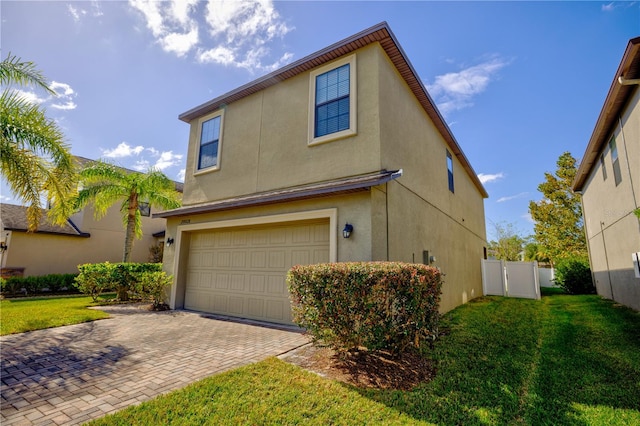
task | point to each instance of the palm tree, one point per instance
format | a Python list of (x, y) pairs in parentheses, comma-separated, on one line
[(104, 184), (34, 158)]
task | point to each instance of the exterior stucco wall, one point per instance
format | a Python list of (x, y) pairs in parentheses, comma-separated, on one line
[(353, 208), (422, 213), (42, 254), (264, 140), (613, 232)]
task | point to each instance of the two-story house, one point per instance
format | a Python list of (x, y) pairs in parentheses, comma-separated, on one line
[(339, 156), (609, 180), (59, 249)]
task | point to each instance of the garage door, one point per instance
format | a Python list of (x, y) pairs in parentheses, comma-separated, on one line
[(241, 272)]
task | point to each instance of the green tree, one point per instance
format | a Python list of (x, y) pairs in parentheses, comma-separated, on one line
[(34, 159), (104, 184), (508, 243), (558, 216)]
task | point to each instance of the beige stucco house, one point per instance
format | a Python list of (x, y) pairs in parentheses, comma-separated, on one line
[(57, 249), (345, 139), (609, 180)]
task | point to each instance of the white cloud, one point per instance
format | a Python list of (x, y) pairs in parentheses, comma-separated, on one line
[(167, 159), (66, 95), (238, 30), (122, 150), (69, 105), (512, 197), (455, 90), (29, 96), (141, 165), (76, 14), (5, 199), (608, 7), (528, 218), (218, 55), (486, 178), (181, 175), (180, 43)]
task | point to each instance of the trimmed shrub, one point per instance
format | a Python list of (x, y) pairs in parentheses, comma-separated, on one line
[(53, 283), (574, 276), (375, 305), (153, 286), (96, 278)]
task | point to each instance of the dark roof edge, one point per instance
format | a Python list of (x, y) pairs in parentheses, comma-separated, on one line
[(323, 189), (80, 233), (62, 234), (609, 113)]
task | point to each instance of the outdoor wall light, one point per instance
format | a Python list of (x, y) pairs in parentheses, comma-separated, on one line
[(348, 229), (169, 241)]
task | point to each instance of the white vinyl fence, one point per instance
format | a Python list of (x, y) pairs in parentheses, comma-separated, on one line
[(512, 279)]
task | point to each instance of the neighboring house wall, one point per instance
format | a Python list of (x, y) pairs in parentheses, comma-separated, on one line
[(265, 146), (46, 253), (612, 230), (610, 191)]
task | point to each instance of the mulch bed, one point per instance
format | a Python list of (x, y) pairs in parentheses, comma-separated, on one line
[(365, 369)]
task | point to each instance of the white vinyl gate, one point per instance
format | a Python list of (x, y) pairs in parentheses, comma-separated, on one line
[(512, 279)]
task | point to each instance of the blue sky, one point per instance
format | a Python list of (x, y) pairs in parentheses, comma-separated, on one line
[(519, 83)]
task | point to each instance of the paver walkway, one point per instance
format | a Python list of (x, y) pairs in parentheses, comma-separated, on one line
[(69, 375)]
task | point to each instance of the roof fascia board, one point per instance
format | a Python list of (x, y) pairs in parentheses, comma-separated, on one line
[(607, 118)]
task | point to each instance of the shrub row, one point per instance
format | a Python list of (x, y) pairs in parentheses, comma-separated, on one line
[(574, 276), (375, 305), (53, 283), (127, 278)]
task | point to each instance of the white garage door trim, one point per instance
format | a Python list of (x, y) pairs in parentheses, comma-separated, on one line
[(331, 214)]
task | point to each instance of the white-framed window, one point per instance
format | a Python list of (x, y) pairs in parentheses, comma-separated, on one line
[(209, 142), (615, 162), (332, 101), (450, 171)]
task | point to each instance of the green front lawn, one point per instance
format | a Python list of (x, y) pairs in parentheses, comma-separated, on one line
[(563, 360), (20, 315)]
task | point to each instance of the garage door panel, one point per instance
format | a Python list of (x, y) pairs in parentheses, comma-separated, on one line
[(197, 300), (255, 307), (236, 305), (242, 272)]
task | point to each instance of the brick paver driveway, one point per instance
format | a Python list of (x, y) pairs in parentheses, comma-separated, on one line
[(68, 375)]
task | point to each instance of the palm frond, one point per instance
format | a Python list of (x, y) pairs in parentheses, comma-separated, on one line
[(14, 70)]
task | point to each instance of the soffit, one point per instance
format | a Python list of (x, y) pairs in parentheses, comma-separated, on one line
[(614, 103)]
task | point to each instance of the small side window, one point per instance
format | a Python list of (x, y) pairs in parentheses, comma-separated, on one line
[(450, 171), (604, 168), (617, 175)]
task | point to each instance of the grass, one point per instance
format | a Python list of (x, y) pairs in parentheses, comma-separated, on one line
[(35, 313), (564, 360)]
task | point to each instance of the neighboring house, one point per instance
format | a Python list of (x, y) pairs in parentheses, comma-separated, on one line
[(83, 239), (346, 139), (609, 180)]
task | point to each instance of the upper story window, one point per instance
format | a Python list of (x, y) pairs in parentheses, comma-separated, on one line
[(617, 176), (145, 209), (209, 144), (332, 112), (450, 171), (332, 101), (604, 168)]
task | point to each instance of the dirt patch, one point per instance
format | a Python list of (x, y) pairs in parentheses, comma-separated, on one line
[(365, 369)]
